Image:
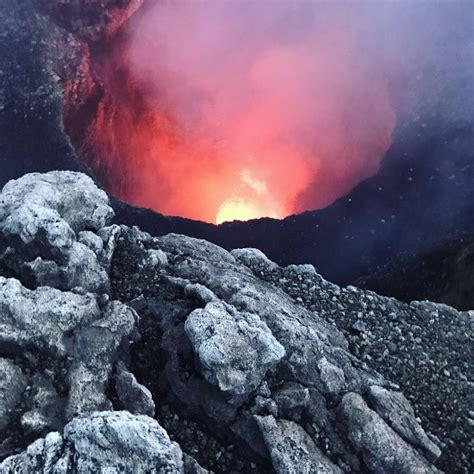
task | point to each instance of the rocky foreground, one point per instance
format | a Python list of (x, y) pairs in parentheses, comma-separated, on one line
[(124, 352)]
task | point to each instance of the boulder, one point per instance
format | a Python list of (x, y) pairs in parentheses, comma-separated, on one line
[(292, 450), (235, 349), (101, 442), (381, 448)]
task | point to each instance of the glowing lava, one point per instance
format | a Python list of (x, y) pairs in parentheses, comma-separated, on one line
[(239, 210), (217, 112)]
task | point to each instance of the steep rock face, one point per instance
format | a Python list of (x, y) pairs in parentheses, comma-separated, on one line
[(232, 356), (91, 20)]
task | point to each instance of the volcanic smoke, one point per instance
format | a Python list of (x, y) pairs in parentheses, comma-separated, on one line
[(239, 110)]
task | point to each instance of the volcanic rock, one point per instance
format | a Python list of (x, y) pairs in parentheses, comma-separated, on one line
[(12, 385), (234, 358), (101, 442), (380, 447), (235, 350), (39, 225), (91, 20), (133, 395)]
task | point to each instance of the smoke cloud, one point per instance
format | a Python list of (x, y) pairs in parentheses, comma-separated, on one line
[(244, 109)]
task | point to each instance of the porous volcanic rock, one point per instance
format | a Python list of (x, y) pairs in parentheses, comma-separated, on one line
[(41, 217), (241, 374), (101, 442)]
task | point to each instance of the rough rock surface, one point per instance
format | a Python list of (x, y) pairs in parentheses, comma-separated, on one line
[(235, 350), (426, 348), (101, 442), (243, 376), (91, 20), (12, 384), (40, 219), (291, 449)]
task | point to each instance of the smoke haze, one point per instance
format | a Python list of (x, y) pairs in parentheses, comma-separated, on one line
[(245, 109)]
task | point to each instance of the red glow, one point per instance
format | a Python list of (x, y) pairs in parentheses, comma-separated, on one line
[(218, 114)]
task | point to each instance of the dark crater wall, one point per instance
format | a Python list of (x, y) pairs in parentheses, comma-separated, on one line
[(405, 232)]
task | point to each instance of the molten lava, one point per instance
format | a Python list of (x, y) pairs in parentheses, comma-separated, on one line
[(217, 112)]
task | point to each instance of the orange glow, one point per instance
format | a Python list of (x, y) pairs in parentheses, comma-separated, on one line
[(206, 117), (239, 210)]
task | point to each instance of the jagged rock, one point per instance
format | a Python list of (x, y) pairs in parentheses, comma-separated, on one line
[(40, 217), (82, 270), (191, 466), (395, 409), (94, 19), (12, 383), (101, 442), (200, 293), (332, 376), (73, 196), (95, 349), (80, 339), (92, 241), (382, 449), (292, 450), (155, 258), (43, 318), (254, 259), (291, 399), (219, 343), (316, 364), (235, 350), (134, 397), (109, 236), (47, 408)]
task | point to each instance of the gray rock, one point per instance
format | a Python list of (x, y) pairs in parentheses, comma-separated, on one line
[(332, 377), (91, 240), (73, 196), (47, 408), (235, 349), (40, 218), (63, 326), (247, 357), (12, 383), (134, 397), (316, 357), (42, 318), (292, 450), (360, 326), (291, 399), (95, 349), (109, 236), (395, 409), (101, 442), (191, 466), (254, 259), (82, 270), (154, 258), (199, 292), (381, 448)]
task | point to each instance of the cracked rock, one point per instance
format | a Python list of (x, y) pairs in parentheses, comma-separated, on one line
[(101, 442), (134, 397), (12, 384), (235, 350), (292, 450), (382, 449)]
